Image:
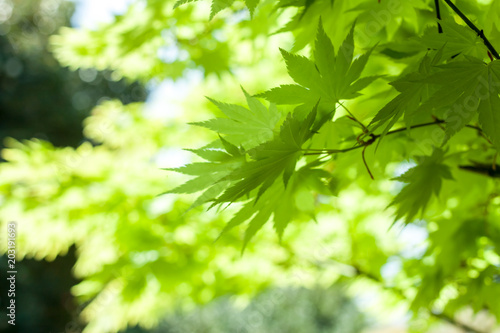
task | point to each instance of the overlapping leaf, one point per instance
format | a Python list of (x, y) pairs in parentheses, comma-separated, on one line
[(234, 173), (332, 77), (423, 180), (270, 160), (456, 39), (460, 89), (466, 89), (413, 90)]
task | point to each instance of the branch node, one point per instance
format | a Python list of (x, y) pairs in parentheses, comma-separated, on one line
[(471, 25)]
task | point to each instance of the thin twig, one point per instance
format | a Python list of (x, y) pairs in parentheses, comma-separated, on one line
[(471, 25), (374, 137), (436, 122), (330, 151), (366, 164)]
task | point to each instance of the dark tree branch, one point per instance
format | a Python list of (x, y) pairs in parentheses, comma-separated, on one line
[(490, 170), (438, 15), (471, 25)]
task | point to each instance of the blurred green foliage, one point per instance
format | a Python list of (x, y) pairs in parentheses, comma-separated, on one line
[(38, 97)]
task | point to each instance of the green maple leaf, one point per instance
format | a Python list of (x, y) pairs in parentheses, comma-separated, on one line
[(423, 180), (466, 89), (332, 77), (257, 178), (228, 176), (246, 127)]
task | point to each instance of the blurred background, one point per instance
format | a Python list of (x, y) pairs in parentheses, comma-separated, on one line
[(41, 99)]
